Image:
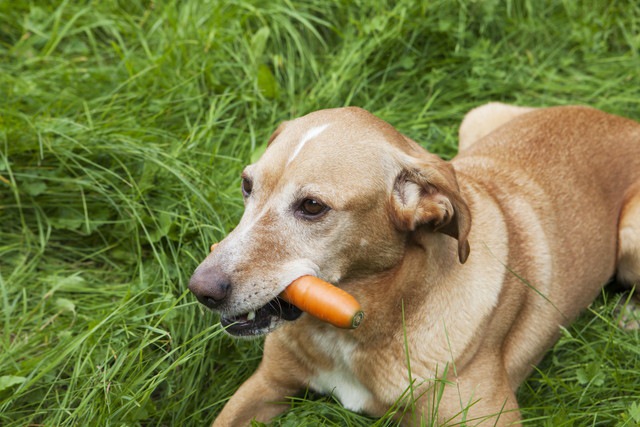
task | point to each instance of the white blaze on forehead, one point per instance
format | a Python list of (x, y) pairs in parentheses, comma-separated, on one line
[(309, 135)]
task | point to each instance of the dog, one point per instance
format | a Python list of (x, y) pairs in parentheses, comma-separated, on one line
[(466, 269)]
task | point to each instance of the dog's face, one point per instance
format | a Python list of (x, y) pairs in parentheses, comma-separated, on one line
[(331, 197)]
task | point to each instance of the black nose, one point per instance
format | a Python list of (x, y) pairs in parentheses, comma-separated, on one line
[(210, 286)]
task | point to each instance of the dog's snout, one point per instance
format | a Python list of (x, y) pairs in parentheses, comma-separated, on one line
[(210, 286)]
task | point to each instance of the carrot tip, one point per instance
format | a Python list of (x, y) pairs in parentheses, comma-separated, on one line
[(357, 319)]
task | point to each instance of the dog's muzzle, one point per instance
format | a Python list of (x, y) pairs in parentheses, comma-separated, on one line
[(213, 288)]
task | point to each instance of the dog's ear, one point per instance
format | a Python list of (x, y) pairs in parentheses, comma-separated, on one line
[(277, 132), (426, 194)]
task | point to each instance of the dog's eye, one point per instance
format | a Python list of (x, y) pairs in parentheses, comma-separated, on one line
[(312, 209), (247, 186)]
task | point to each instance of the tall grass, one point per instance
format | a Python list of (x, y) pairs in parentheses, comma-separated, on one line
[(123, 130)]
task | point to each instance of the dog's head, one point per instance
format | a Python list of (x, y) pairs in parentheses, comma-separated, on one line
[(336, 195)]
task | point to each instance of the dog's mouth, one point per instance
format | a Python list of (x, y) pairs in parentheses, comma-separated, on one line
[(260, 321)]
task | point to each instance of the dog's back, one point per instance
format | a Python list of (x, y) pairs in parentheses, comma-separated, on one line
[(545, 168)]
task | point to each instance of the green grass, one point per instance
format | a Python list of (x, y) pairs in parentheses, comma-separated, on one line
[(124, 126)]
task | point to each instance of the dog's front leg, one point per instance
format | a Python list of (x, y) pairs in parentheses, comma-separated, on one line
[(259, 398), (262, 396), (479, 395)]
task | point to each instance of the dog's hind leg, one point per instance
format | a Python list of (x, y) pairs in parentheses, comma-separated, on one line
[(482, 120), (628, 271), (478, 395)]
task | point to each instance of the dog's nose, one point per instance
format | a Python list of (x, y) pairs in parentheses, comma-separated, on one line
[(210, 286)]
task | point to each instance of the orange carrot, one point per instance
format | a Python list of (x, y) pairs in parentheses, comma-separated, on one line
[(324, 301)]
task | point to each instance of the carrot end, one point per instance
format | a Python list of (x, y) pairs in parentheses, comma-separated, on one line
[(357, 319)]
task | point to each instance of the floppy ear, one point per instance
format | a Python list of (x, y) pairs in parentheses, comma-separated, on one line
[(426, 193), (277, 132)]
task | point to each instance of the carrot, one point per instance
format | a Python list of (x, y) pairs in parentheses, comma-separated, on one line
[(324, 301)]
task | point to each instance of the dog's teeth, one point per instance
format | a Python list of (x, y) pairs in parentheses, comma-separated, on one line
[(251, 315)]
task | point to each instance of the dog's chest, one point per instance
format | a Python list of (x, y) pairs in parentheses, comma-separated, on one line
[(340, 380)]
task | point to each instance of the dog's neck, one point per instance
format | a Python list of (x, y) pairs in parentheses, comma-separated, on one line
[(427, 256)]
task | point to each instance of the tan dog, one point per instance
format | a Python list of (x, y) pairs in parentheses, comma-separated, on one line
[(554, 195)]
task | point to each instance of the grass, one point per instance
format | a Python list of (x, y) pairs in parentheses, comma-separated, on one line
[(123, 130)]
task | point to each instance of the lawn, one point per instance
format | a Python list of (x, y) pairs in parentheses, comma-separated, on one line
[(124, 126)]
